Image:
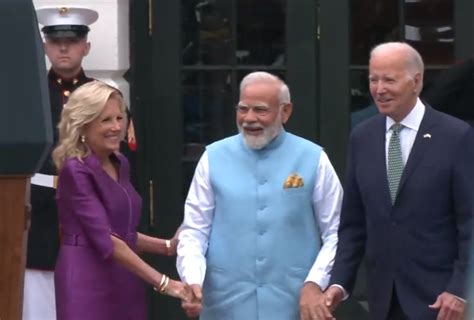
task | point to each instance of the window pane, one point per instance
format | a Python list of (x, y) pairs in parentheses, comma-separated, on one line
[(207, 106), (208, 111), (429, 28), (261, 32), (206, 32), (373, 22), (361, 101)]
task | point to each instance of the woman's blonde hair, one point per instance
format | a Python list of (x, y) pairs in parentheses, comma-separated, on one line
[(84, 105)]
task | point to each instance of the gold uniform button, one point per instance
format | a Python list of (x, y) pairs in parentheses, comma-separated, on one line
[(67, 93)]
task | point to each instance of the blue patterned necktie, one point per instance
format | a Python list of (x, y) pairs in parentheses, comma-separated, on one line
[(395, 161)]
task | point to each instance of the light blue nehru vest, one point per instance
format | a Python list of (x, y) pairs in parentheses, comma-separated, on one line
[(264, 238)]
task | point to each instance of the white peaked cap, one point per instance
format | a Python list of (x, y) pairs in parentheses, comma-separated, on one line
[(65, 15)]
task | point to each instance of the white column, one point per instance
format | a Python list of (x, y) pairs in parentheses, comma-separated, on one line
[(109, 57)]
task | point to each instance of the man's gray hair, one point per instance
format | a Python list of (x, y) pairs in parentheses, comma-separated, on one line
[(413, 58), (262, 76)]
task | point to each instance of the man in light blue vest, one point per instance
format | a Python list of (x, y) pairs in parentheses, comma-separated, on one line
[(261, 218)]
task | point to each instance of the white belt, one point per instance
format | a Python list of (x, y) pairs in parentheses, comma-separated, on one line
[(45, 180)]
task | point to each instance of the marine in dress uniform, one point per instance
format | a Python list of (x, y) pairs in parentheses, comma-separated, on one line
[(70, 25)]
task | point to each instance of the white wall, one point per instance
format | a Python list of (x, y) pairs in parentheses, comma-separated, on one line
[(109, 57)]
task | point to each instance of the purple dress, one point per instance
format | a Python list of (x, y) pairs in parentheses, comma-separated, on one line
[(92, 206)]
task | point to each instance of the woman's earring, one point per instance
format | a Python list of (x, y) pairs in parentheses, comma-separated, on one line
[(83, 139)]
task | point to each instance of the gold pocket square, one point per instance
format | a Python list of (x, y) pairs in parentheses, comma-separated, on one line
[(293, 181)]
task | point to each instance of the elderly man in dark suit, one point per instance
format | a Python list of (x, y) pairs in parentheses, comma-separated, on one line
[(407, 202)]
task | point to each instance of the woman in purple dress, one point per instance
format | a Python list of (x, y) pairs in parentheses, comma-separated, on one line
[(98, 274)]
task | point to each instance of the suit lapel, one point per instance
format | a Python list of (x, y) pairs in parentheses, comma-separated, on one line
[(380, 163), (419, 146)]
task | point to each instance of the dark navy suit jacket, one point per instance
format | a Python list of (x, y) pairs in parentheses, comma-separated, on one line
[(419, 244)]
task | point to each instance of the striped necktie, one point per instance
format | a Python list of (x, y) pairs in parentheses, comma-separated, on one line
[(395, 161)]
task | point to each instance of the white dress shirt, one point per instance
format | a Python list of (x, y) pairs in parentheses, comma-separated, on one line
[(199, 211), (411, 125)]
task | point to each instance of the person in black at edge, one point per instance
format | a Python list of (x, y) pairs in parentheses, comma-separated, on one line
[(452, 91), (65, 31)]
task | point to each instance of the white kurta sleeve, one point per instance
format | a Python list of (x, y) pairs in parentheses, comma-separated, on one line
[(194, 235), (327, 200)]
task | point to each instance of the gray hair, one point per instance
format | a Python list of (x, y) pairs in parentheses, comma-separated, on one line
[(414, 62), (262, 76)]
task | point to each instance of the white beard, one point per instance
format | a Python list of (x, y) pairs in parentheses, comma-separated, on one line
[(268, 134)]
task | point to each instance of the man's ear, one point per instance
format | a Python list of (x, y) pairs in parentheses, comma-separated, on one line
[(418, 82), (286, 112), (87, 48), (45, 47)]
